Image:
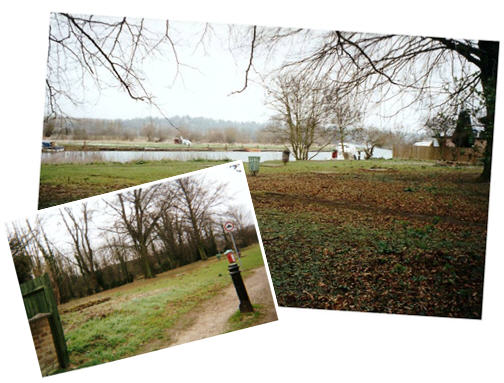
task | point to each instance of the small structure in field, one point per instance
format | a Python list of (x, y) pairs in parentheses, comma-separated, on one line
[(253, 162), (285, 156)]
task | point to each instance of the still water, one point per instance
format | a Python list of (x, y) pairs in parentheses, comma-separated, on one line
[(127, 156)]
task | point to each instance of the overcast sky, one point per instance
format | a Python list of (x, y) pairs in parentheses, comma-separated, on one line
[(208, 74)]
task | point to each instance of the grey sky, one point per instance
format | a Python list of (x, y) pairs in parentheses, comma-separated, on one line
[(208, 74)]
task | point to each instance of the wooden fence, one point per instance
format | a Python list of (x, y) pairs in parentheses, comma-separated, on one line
[(38, 297), (410, 152)]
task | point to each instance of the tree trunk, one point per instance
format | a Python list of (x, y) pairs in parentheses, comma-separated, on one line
[(124, 270), (488, 68), (145, 262)]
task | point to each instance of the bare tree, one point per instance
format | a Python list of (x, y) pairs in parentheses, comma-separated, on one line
[(149, 132), (345, 112), (139, 211), (311, 110), (370, 137), (22, 241), (119, 250), (22, 260), (49, 254), (231, 135), (302, 111), (103, 51), (197, 200), (166, 232), (442, 70), (79, 231)]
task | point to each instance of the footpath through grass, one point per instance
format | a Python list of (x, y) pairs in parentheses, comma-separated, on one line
[(142, 311)]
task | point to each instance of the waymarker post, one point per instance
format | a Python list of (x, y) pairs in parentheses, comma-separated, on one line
[(241, 291)]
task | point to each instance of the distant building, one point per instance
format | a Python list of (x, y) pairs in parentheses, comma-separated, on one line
[(479, 141), (433, 142)]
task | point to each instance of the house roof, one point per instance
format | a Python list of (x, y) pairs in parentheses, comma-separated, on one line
[(432, 142)]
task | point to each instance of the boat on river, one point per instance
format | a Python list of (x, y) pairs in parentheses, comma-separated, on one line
[(51, 147)]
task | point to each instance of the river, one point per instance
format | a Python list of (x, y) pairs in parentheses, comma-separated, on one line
[(127, 156)]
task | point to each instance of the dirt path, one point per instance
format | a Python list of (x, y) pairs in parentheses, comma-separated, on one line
[(211, 317)]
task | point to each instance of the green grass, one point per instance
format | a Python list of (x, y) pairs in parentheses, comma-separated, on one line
[(353, 167), (239, 321), (61, 183), (143, 313), (131, 173)]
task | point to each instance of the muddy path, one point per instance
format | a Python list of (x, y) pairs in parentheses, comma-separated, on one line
[(211, 317)]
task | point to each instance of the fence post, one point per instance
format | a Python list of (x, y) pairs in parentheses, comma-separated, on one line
[(38, 297), (56, 327)]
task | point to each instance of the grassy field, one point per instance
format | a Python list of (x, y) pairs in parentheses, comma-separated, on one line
[(120, 322), (383, 235), (60, 183)]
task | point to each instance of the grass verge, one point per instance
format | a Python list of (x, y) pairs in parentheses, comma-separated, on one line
[(239, 321), (142, 311)]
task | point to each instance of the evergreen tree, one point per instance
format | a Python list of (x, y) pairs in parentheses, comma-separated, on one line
[(463, 137)]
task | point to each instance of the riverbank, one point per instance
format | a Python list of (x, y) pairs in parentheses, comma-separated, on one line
[(84, 145), (125, 156)]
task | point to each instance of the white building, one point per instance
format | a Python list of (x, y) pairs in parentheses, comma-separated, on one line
[(433, 142)]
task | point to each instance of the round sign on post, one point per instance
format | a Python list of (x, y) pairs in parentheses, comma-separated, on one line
[(229, 227)]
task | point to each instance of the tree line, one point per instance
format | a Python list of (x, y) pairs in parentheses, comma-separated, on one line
[(134, 234), (432, 73), (197, 129), (223, 132), (311, 112)]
